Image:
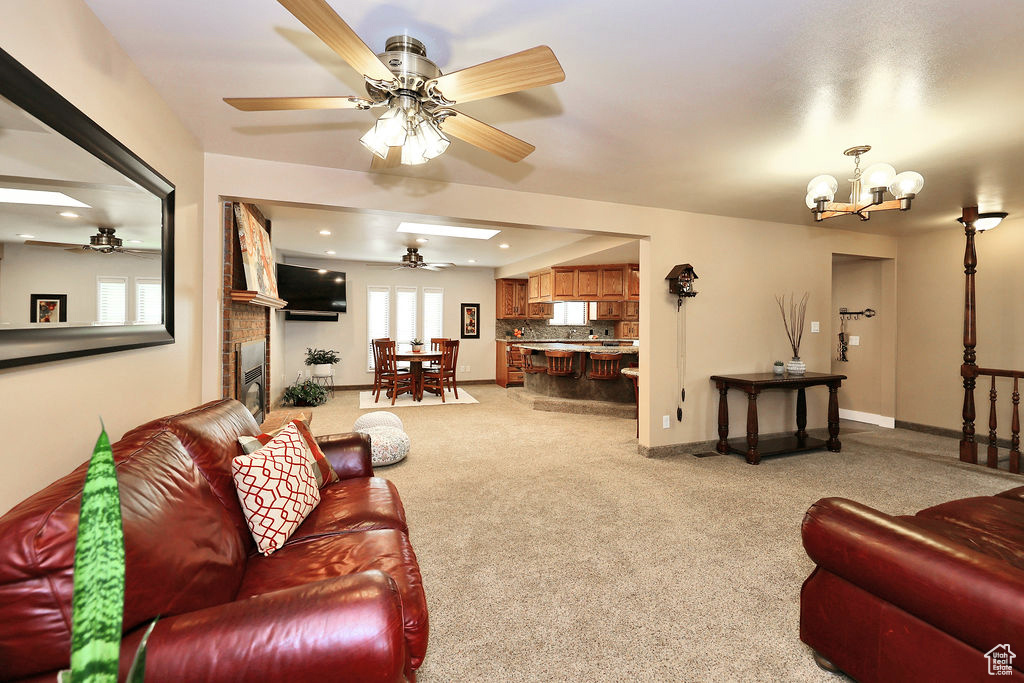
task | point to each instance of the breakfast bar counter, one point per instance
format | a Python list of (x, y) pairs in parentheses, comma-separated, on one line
[(579, 384)]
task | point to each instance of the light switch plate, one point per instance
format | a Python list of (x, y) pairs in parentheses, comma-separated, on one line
[(815, 326), (665, 421), (854, 340)]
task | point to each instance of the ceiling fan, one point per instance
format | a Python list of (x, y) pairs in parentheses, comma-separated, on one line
[(412, 258), (418, 97), (103, 242)]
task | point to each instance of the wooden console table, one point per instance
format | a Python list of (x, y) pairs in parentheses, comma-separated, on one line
[(754, 384)]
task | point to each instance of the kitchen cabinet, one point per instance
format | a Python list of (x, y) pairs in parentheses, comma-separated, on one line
[(564, 284), (511, 299), (627, 330), (588, 286), (605, 310), (633, 282), (631, 311), (612, 283), (539, 289), (505, 374), (540, 311)]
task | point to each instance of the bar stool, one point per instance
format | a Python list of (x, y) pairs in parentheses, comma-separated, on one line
[(559, 363), (604, 365), (528, 365)]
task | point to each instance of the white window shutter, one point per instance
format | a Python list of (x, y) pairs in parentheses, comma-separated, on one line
[(405, 317), (378, 318), (111, 300), (148, 301), (433, 313), (569, 313)]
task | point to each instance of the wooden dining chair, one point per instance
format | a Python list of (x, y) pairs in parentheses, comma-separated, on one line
[(604, 365), (396, 381), (528, 366), (435, 345), (435, 378), (376, 367), (559, 363), (451, 348)]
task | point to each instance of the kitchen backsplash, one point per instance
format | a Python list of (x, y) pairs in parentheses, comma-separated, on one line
[(539, 329)]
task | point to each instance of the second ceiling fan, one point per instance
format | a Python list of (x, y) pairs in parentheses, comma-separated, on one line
[(418, 97)]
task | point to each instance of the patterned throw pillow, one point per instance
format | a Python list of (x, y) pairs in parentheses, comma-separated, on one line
[(328, 474), (323, 472), (276, 488)]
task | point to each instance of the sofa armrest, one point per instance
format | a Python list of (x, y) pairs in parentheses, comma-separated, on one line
[(349, 454), (972, 596), (351, 625)]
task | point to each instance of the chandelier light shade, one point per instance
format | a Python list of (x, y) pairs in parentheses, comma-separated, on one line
[(867, 190), (986, 221), (406, 124)]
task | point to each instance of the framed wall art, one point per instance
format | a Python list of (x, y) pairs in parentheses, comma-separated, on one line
[(470, 321), (49, 308)]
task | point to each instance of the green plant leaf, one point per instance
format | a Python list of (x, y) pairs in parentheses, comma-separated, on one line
[(137, 674), (97, 605)]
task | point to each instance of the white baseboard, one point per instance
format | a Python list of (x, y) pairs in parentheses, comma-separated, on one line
[(870, 418)]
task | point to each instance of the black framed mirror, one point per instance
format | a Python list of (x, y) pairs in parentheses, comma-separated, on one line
[(86, 232)]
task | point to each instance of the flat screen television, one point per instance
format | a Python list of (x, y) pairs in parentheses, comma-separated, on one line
[(311, 289)]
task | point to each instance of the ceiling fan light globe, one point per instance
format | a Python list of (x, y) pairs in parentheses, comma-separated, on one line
[(392, 127), (373, 142), (414, 151), (877, 175), (434, 141), (811, 201), (906, 184), (823, 186)]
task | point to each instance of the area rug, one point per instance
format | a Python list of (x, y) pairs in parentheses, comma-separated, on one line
[(405, 400)]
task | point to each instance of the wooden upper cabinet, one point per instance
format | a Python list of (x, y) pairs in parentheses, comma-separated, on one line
[(588, 282), (539, 287), (633, 283), (533, 289), (510, 299), (605, 310), (564, 284), (612, 283), (541, 311), (631, 310)]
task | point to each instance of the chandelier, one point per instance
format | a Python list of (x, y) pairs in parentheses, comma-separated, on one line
[(407, 124), (868, 190)]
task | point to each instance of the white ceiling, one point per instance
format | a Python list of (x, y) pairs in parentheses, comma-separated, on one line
[(726, 108)]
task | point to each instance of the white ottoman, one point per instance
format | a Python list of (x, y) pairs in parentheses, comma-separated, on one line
[(378, 418), (388, 445)]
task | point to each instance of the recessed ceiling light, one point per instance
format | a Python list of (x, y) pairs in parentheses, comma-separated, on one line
[(28, 237), (422, 240), (472, 260), (325, 232), (448, 231), (503, 245), (322, 271), (68, 214), (10, 195), (330, 252)]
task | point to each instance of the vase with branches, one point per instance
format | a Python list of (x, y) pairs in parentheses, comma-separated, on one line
[(793, 314)]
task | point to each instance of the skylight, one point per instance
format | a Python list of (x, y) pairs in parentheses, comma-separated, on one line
[(10, 195), (447, 231)]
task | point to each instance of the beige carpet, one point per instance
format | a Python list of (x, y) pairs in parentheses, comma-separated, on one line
[(366, 401), (551, 551)]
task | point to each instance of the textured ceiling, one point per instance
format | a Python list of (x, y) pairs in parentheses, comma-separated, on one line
[(726, 108)]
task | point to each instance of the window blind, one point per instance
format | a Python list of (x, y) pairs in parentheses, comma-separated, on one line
[(433, 313), (569, 313), (148, 304), (378, 318), (111, 300), (405, 317)]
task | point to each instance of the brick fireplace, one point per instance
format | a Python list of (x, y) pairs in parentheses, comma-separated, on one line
[(241, 321)]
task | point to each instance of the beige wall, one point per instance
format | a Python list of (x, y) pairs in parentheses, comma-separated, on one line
[(348, 335), (870, 384), (931, 294), (732, 326), (50, 416)]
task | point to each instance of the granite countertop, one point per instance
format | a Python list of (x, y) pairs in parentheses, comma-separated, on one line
[(578, 348), (563, 340)]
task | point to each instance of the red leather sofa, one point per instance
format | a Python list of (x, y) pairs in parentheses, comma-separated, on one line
[(341, 601), (920, 597)]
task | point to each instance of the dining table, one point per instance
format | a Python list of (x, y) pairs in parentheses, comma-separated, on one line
[(416, 361)]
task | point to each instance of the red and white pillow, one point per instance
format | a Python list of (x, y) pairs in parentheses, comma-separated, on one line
[(276, 488), (322, 469)]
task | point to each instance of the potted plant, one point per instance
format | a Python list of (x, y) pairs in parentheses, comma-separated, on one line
[(321, 360), (305, 393), (779, 367), (417, 345)]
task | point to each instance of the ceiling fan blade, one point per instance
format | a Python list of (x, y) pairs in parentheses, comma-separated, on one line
[(63, 245), (523, 70), (288, 103), (486, 137), (430, 267), (393, 159), (435, 266), (323, 21)]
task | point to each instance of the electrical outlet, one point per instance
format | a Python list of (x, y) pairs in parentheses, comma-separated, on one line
[(815, 326), (665, 421), (854, 340)]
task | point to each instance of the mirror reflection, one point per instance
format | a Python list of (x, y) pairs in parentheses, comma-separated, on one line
[(79, 242)]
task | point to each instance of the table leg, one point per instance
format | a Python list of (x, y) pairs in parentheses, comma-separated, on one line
[(417, 380), (753, 457), (801, 415), (723, 419), (834, 444)]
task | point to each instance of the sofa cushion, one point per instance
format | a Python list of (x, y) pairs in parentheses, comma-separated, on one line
[(182, 552), (1016, 494), (325, 557), (354, 505), (276, 489)]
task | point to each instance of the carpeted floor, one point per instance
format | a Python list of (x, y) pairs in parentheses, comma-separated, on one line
[(551, 551)]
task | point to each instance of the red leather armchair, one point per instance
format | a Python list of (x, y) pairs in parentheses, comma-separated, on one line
[(342, 600), (915, 598)]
